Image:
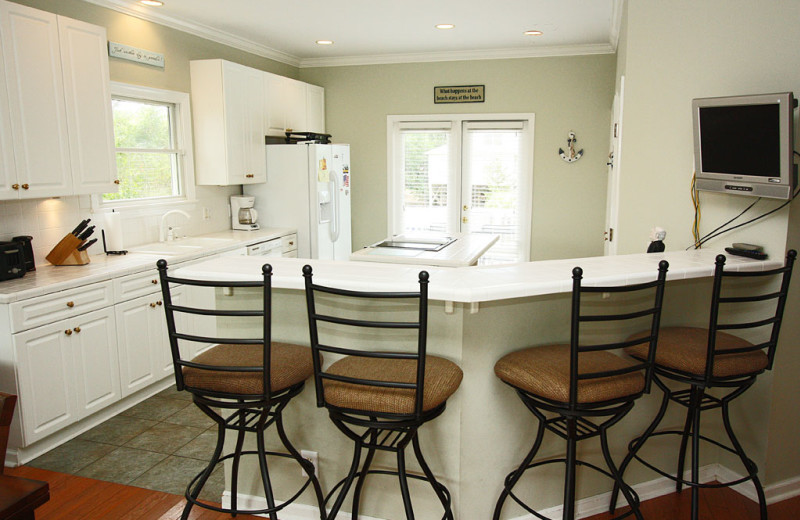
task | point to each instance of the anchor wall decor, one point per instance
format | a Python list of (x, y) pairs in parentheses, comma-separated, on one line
[(570, 155)]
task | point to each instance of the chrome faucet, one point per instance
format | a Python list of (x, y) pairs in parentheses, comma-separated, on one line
[(163, 236)]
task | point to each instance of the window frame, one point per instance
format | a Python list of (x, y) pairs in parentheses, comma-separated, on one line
[(455, 124), (182, 122)]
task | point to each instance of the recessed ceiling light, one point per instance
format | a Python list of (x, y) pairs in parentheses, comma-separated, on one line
[(324, 42), (533, 33), (154, 3), (445, 26)]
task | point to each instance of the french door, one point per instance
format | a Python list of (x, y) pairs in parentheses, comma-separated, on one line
[(463, 174)]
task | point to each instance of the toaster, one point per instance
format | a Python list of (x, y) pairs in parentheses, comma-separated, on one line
[(12, 260)]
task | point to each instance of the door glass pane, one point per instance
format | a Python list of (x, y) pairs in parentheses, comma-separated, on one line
[(426, 173), (492, 180)]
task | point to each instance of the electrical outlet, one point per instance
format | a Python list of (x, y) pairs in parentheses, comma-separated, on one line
[(206, 214), (313, 457)]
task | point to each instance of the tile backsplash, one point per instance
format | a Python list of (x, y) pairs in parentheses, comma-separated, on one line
[(49, 220)]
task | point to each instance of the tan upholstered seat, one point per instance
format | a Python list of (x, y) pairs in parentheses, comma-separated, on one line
[(289, 365), (442, 378), (544, 371), (684, 349)]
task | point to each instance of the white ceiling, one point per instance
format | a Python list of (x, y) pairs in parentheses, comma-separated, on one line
[(385, 31)]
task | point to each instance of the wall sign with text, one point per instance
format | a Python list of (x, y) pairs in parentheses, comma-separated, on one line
[(126, 52), (459, 94)]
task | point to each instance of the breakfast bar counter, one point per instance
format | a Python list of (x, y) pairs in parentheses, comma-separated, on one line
[(476, 316)]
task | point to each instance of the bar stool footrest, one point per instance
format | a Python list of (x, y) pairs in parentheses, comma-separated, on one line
[(608, 474), (751, 467)]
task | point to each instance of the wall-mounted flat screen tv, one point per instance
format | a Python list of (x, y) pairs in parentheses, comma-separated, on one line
[(743, 145)]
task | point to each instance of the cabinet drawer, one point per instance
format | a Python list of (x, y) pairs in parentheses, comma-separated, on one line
[(65, 304), (289, 243), (135, 285)]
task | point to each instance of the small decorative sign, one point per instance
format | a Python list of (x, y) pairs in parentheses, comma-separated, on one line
[(459, 94), (126, 52)]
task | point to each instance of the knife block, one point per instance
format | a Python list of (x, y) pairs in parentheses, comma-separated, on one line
[(66, 252)]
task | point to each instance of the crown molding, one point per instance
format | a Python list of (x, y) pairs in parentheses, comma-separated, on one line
[(203, 31), (489, 54)]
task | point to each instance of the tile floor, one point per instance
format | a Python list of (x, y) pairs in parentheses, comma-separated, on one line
[(159, 444)]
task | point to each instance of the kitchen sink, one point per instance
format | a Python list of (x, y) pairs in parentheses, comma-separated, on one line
[(181, 246)]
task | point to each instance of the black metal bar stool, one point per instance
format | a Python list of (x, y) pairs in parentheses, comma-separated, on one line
[(702, 359), (379, 399), (585, 388), (250, 380)]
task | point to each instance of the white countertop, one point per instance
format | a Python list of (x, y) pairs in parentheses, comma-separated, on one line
[(465, 251), (49, 279), (479, 283)]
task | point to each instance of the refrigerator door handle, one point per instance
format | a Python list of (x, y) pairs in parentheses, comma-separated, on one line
[(335, 199)]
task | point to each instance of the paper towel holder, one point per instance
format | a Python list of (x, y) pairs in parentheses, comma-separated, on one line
[(122, 252)]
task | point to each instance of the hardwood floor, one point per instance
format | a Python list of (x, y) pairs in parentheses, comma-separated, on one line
[(74, 498), (79, 498)]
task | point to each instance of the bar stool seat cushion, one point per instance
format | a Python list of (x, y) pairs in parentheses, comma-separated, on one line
[(442, 378), (289, 365), (544, 371), (684, 349)]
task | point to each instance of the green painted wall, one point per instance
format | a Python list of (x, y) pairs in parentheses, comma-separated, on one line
[(565, 93)]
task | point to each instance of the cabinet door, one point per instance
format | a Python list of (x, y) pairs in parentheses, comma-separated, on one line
[(315, 109), (36, 100), (94, 350), (140, 336), (45, 375), (244, 108), (84, 59), (275, 109), (295, 100), (8, 171)]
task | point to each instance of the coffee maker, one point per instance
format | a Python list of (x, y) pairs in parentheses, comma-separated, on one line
[(243, 216)]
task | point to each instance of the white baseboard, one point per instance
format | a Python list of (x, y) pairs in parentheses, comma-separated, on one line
[(586, 507)]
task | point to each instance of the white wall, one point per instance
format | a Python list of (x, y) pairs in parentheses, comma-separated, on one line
[(677, 50)]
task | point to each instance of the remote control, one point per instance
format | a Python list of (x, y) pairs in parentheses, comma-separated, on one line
[(748, 247), (756, 255)]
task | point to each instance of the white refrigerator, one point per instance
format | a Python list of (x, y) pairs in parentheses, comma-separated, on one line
[(308, 188)]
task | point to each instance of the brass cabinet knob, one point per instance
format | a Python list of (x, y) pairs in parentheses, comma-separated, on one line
[(154, 282), (249, 175), (68, 332), (77, 329), (25, 186), (464, 220), (159, 302), (291, 242), (15, 186), (116, 181), (153, 305), (70, 304)]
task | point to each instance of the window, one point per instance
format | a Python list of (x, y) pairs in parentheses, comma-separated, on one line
[(463, 174), (152, 137)]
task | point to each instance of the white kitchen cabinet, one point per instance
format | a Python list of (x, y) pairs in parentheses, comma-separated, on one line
[(227, 109), (65, 371), (56, 77), (293, 105)]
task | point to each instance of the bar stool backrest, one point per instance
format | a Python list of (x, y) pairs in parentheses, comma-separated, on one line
[(771, 323), (176, 334), (577, 348), (418, 354)]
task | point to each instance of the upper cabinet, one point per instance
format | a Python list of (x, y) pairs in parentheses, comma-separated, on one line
[(234, 107), (227, 111), (57, 138)]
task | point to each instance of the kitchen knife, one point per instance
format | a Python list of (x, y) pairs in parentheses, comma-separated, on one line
[(85, 246), (80, 227), (86, 234)]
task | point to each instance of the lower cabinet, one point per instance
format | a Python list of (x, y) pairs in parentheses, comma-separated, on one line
[(66, 370), (142, 340)]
